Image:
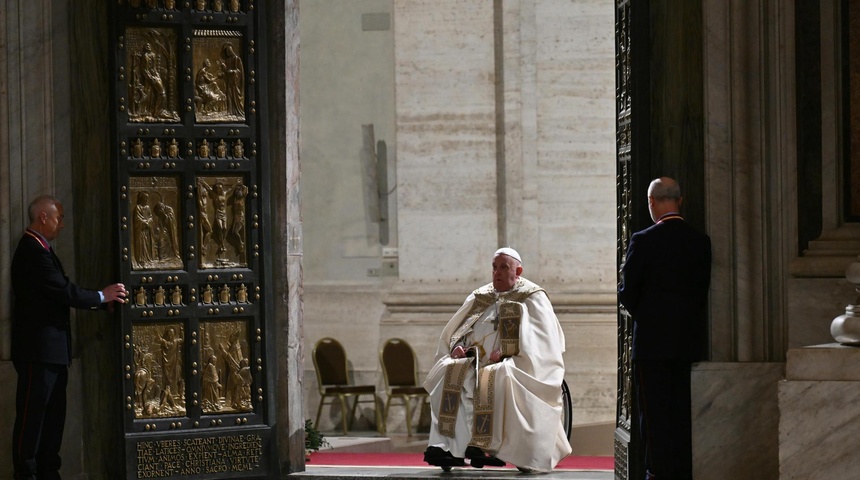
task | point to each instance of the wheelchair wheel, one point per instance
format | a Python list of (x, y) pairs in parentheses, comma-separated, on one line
[(567, 409)]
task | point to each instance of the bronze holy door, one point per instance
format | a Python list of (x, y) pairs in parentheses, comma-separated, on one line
[(659, 132), (191, 187), (632, 167)]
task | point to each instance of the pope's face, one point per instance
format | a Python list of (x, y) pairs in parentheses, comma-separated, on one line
[(506, 271)]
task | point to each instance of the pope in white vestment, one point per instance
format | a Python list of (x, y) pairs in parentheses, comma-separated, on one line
[(496, 383)]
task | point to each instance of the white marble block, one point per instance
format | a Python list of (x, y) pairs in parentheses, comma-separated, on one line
[(819, 406), (735, 420)]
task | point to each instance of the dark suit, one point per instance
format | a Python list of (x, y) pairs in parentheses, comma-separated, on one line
[(41, 353), (665, 288)]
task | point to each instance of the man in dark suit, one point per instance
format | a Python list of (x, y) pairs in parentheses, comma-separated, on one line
[(41, 340), (665, 284)]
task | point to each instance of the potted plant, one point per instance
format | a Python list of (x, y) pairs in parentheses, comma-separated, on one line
[(314, 440)]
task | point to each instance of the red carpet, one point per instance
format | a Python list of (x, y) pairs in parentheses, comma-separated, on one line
[(324, 458)]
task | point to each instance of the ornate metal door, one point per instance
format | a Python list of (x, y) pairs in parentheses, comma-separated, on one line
[(632, 147), (191, 176)]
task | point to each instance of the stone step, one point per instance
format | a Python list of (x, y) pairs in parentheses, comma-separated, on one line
[(404, 473)]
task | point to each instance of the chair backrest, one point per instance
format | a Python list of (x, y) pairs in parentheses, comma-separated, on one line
[(330, 362), (398, 363)]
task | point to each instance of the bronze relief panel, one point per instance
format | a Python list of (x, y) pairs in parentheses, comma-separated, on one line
[(159, 375), (226, 367), (151, 62), (155, 210), (222, 220), (219, 76)]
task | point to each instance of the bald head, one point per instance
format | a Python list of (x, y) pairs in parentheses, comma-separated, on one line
[(664, 196), (40, 204), (46, 216), (664, 188)]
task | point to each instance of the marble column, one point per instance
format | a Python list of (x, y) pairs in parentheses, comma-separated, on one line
[(35, 146)]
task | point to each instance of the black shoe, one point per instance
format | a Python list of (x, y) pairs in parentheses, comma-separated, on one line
[(478, 459), (442, 458)]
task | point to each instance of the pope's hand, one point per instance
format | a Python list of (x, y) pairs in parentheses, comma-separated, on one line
[(495, 356), (458, 352)]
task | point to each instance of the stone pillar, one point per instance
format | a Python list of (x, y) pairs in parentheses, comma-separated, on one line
[(286, 231), (749, 143), (36, 147), (34, 129)]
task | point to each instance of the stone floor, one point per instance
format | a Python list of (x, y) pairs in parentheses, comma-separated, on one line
[(370, 442), (350, 473)]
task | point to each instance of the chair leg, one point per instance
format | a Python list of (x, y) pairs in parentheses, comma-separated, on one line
[(424, 405), (384, 428), (354, 408), (380, 424), (319, 411), (407, 402), (343, 413)]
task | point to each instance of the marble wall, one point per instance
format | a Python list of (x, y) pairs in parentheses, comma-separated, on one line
[(446, 140)]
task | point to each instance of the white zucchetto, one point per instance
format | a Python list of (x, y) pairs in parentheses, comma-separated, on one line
[(509, 252)]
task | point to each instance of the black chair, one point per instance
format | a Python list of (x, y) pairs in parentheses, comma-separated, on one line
[(333, 381), (400, 370)]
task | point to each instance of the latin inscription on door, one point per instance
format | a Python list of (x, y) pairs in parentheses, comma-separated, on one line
[(199, 456)]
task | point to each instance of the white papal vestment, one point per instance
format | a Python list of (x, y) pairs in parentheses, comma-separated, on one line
[(514, 410)]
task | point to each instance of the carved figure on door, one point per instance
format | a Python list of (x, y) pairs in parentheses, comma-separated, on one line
[(207, 295), (143, 381), (173, 148), (218, 193), (150, 93), (210, 98), (211, 386), (233, 72), (176, 296), (203, 149), (152, 84), (137, 149), (237, 228), (171, 366), (202, 207), (167, 229), (159, 296), (233, 357), (143, 232)]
